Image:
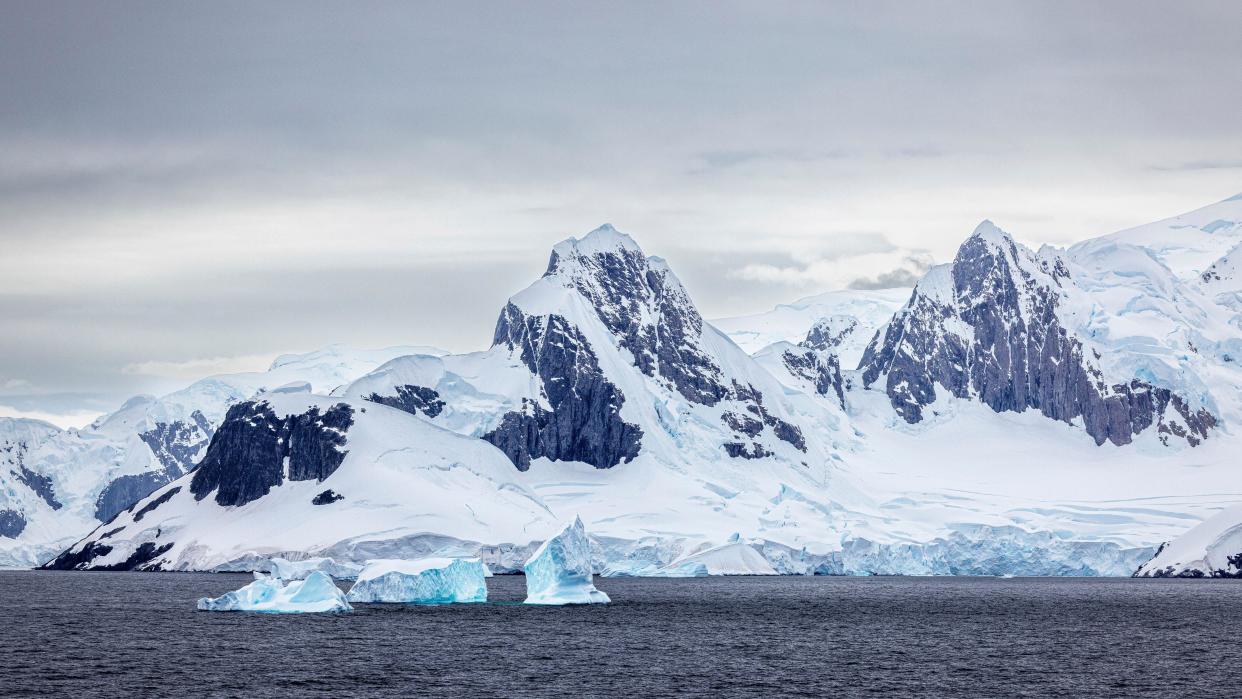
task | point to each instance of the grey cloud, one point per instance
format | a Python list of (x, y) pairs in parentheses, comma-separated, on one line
[(722, 136), (725, 159), (1200, 165), (902, 277)]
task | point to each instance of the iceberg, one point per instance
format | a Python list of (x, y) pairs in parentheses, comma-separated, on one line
[(425, 581), (559, 572), (317, 593), (298, 570)]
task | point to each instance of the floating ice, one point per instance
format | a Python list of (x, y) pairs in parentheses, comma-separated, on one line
[(298, 570), (317, 593), (559, 572), (426, 581)]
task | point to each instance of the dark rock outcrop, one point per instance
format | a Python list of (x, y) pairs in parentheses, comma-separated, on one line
[(176, 445), (584, 422), (413, 400), (124, 491), (247, 456), (151, 506), (39, 483), (327, 497), (84, 559), (821, 368), (12, 524), (741, 450), (1013, 355)]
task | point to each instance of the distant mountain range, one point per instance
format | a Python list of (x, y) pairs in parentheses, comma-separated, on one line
[(1051, 411)]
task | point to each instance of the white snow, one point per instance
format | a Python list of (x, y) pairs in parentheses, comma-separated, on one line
[(736, 558), (317, 593), (1211, 549), (425, 581), (559, 572), (791, 322)]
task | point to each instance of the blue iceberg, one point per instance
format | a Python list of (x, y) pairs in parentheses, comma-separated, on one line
[(559, 572), (317, 593), (425, 581)]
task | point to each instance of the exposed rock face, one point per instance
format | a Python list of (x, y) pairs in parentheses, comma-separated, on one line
[(255, 450), (741, 450), (126, 490), (986, 327), (413, 400), (584, 423), (151, 506), (641, 302), (14, 451), (138, 560), (39, 483), (327, 497), (12, 523), (816, 360), (176, 445)]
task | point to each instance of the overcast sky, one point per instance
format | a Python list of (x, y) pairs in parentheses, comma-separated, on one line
[(189, 188)]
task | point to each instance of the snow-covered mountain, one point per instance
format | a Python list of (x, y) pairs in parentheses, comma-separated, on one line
[(65, 482), (1096, 337), (1212, 549), (607, 394), (1019, 411), (293, 472)]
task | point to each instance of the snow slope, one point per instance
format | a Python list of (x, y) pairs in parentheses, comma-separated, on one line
[(1211, 549), (87, 475), (1187, 244)]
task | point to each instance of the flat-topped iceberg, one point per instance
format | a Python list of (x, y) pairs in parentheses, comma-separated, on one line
[(559, 572), (317, 593), (298, 570), (425, 581)]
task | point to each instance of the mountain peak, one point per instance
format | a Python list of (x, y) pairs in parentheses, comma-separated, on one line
[(604, 239), (990, 231)]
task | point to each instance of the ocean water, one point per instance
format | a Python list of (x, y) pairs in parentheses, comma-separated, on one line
[(139, 634)]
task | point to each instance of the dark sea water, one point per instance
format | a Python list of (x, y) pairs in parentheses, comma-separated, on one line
[(118, 634)]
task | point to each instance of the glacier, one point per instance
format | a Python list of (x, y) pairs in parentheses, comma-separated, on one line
[(425, 581), (297, 570), (317, 593), (560, 570), (734, 558)]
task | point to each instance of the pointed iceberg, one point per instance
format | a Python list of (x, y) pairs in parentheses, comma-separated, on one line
[(425, 581), (559, 572), (317, 593)]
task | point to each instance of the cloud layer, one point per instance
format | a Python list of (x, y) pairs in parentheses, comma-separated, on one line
[(238, 179)]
